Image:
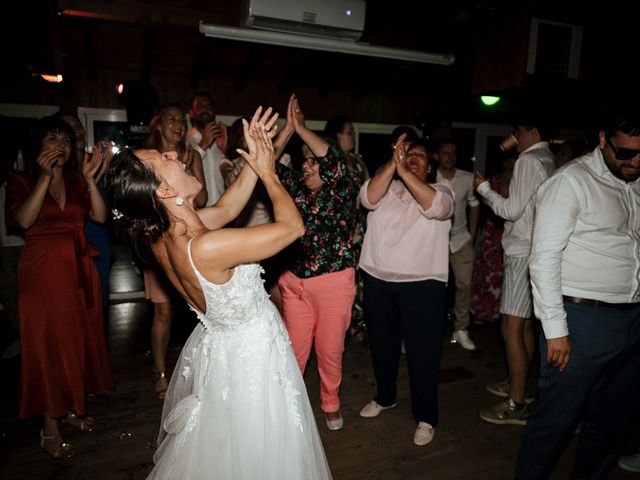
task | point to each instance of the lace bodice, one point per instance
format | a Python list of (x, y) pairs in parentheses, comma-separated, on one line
[(235, 302)]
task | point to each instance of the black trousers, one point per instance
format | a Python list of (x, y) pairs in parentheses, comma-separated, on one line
[(412, 311)]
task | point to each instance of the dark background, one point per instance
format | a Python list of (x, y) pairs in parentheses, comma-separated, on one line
[(96, 44)]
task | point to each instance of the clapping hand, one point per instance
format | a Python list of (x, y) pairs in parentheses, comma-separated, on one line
[(104, 150), (294, 113), (399, 157), (91, 163), (48, 159), (261, 160)]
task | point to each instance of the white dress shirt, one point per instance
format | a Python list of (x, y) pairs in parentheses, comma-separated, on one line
[(462, 185), (532, 167), (211, 158), (586, 240)]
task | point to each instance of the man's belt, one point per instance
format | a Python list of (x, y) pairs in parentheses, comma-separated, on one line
[(600, 303)]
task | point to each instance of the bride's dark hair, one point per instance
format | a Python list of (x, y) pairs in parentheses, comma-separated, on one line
[(139, 215)]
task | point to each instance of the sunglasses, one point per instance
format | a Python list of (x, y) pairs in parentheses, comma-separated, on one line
[(623, 153)]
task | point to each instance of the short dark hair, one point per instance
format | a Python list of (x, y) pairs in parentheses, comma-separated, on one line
[(436, 143), (623, 121), (538, 121), (201, 93), (139, 215), (335, 125), (410, 131)]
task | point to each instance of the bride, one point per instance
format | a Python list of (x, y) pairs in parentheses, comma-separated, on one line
[(237, 406)]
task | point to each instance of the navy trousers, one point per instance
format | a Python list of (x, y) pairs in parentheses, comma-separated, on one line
[(597, 391), (413, 311)]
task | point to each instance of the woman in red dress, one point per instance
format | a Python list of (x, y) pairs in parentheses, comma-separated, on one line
[(64, 353)]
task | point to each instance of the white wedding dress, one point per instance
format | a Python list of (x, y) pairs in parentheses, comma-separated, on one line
[(237, 407)]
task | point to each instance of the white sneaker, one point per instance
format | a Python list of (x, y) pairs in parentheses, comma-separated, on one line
[(372, 409), (334, 424), (424, 434), (630, 463), (461, 337)]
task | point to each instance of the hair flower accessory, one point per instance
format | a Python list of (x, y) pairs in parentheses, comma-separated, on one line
[(117, 214)]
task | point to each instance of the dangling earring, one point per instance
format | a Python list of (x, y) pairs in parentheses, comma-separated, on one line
[(179, 201)]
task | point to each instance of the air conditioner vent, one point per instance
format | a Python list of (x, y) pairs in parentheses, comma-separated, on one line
[(304, 28), (336, 19)]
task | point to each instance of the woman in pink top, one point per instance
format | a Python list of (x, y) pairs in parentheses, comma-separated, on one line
[(405, 267)]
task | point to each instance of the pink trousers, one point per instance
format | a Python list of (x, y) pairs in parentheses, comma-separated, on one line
[(319, 309)]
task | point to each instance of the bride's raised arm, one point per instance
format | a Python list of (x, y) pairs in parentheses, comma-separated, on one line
[(237, 195), (225, 248)]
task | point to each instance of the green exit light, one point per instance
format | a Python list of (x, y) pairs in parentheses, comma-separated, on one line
[(489, 100)]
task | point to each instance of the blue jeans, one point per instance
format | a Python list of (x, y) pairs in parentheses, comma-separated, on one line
[(599, 388)]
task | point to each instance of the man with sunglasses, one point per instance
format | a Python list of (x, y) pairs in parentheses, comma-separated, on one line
[(585, 271)]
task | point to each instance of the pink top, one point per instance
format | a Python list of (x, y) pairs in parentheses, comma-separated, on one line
[(404, 242)]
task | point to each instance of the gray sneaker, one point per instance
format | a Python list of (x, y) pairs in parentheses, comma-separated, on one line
[(505, 413), (503, 389)]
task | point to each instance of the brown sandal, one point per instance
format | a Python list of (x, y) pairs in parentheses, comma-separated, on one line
[(55, 447), (85, 424), (162, 384)]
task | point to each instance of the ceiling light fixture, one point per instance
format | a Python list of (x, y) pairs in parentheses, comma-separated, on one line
[(489, 100), (324, 44), (49, 78)]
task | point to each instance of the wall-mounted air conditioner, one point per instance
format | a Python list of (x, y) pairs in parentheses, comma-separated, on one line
[(338, 19)]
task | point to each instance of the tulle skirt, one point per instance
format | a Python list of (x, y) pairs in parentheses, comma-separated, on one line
[(237, 409)]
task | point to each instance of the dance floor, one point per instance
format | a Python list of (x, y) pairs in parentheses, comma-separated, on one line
[(121, 447)]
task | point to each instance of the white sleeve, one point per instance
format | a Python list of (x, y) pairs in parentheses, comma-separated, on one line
[(524, 183), (557, 208), (364, 199)]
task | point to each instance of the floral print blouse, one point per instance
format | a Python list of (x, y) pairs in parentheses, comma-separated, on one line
[(328, 214)]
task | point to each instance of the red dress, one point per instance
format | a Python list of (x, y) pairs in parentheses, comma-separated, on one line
[(486, 284), (64, 352)]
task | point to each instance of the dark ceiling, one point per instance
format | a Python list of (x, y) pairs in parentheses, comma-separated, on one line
[(156, 41)]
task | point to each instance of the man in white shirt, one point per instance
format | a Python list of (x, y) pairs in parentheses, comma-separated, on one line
[(533, 166), (585, 273), (461, 236), (208, 138)]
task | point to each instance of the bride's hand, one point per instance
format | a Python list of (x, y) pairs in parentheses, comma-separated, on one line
[(262, 160), (259, 118)]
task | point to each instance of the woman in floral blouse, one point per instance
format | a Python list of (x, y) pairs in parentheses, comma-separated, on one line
[(319, 288)]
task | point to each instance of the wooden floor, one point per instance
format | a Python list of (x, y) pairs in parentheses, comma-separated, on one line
[(465, 447)]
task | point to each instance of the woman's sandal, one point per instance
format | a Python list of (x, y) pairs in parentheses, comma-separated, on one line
[(54, 446), (85, 424), (161, 386)]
